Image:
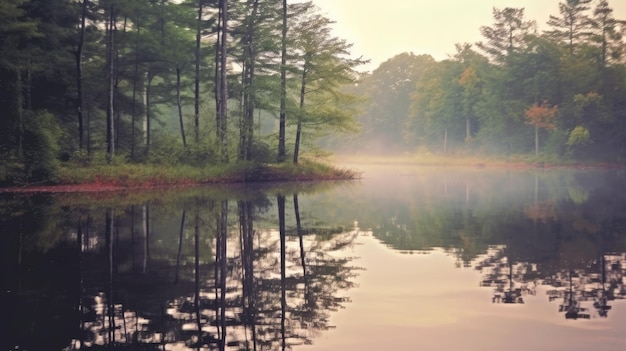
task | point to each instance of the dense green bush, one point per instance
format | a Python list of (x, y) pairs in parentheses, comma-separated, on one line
[(38, 160)]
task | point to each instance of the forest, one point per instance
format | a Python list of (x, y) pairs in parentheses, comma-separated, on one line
[(545, 95), (210, 82), (166, 82)]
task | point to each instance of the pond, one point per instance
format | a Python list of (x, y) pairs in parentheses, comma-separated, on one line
[(407, 257)]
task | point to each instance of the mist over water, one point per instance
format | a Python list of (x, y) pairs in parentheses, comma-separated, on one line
[(405, 257)]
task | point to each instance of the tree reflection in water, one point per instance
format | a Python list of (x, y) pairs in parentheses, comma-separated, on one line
[(194, 271), (584, 293), (200, 276), (523, 231), (509, 280)]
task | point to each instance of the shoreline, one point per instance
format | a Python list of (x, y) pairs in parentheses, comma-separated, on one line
[(96, 183), (270, 174)]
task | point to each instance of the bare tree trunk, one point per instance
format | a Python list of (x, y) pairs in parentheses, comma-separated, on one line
[(217, 81), (134, 98), (148, 120), (283, 88), (111, 84), (196, 116), (223, 115), (144, 124), (19, 97), (88, 131), (247, 126), (79, 75), (536, 140), (296, 149), (180, 107)]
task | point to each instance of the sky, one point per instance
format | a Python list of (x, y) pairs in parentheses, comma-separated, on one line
[(380, 30)]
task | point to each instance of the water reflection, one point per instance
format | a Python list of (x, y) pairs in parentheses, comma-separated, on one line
[(268, 268), (563, 230), (581, 293), (206, 273)]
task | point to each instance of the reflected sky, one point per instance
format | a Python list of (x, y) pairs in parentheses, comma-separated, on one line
[(423, 301)]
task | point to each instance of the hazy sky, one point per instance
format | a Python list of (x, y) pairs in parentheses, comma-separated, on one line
[(380, 30)]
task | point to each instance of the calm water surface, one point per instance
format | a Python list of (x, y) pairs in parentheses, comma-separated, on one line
[(406, 258)]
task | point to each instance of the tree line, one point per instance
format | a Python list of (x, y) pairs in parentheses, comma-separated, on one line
[(555, 93), (194, 81)]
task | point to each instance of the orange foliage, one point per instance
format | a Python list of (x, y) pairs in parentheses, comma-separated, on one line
[(541, 116)]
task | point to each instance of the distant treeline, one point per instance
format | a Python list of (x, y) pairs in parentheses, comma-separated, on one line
[(194, 81), (560, 93)]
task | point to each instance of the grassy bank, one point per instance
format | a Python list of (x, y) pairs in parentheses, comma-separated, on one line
[(126, 175), (147, 174)]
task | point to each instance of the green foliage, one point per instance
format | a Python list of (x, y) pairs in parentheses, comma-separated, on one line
[(41, 146), (40, 150), (483, 98), (578, 142), (469, 103), (578, 137)]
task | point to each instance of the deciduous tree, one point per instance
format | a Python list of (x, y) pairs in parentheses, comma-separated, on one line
[(541, 116)]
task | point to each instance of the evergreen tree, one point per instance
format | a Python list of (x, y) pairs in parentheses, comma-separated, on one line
[(507, 33), (572, 27), (605, 34), (325, 67)]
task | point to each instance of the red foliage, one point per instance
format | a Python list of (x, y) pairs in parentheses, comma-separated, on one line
[(542, 116)]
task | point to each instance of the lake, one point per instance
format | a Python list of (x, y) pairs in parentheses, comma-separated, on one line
[(406, 258)]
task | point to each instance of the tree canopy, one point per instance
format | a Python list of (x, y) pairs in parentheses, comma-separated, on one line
[(479, 100), (124, 81)]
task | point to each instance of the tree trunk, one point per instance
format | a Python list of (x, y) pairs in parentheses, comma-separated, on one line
[(217, 80), (536, 140), (111, 84), (88, 131), (79, 76), (296, 149), (249, 63), (196, 116), (283, 87), (19, 98), (180, 107), (134, 98), (145, 126), (223, 85), (148, 116)]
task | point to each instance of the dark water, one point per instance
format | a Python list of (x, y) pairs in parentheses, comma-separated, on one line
[(406, 258)]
